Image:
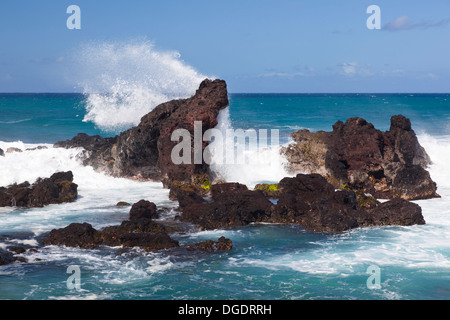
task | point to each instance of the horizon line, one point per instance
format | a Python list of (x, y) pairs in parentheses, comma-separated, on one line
[(242, 93)]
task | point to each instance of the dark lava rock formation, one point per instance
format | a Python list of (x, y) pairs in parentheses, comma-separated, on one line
[(6, 257), (363, 162), (57, 189), (140, 231), (143, 209), (231, 205), (355, 155), (144, 152), (307, 200)]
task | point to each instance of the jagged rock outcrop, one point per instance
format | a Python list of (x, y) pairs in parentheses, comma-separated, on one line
[(59, 188), (308, 200), (81, 235), (144, 152), (231, 205), (355, 155), (140, 231)]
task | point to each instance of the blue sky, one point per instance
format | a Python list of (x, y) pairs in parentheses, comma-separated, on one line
[(255, 45)]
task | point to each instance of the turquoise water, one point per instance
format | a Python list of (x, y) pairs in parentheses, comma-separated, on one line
[(38, 118), (267, 261)]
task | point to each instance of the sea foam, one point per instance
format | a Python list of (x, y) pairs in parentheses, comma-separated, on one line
[(261, 165), (97, 192), (123, 81)]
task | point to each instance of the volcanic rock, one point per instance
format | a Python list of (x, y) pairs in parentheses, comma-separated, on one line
[(81, 235), (231, 205), (143, 209), (309, 200), (6, 257), (12, 149), (355, 155), (395, 212), (223, 244), (144, 152), (57, 189)]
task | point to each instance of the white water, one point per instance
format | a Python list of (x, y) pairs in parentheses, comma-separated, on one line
[(424, 248), (415, 246), (125, 80), (261, 165), (98, 193)]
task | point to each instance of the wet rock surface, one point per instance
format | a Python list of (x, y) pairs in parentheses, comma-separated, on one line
[(59, 188), (140, 232), (144, 152), (231, 205), (388, 165), (308, 200)]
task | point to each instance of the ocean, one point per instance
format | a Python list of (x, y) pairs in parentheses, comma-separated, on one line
[(268, 261)]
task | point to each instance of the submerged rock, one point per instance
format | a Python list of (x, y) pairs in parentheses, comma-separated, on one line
[(122, 204), (57, 189), (37, 148), (388, 165), (17, 249), (144, 152)]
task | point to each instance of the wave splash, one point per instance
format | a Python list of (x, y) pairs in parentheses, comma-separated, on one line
[(123, 81), (438, 148), (261, 164)]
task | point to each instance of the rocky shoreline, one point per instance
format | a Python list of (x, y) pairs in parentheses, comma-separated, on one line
[(308, 200), (355, 155), (139, 231), (338, 177), (144, 152), (59, 188)]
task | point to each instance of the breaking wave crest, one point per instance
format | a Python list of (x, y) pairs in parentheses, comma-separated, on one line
[(123, 81)]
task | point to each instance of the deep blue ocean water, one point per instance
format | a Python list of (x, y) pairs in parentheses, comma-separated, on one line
[(267, 261)]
